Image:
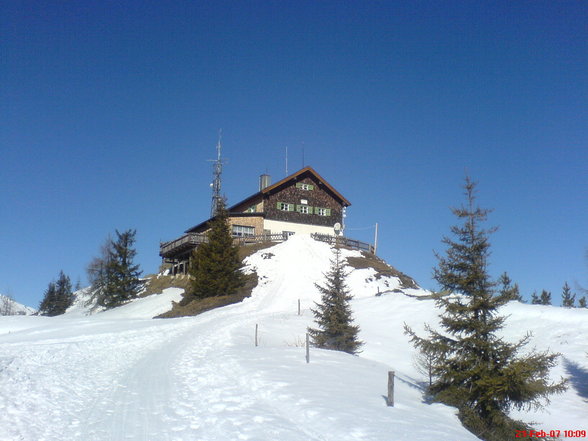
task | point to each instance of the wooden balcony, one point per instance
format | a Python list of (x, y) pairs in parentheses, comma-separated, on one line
[(181, 246)]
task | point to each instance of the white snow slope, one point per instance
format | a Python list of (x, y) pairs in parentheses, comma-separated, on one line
[(10, 307), (119, 375)]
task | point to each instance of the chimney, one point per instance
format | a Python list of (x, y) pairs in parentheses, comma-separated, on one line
[(264, 181)]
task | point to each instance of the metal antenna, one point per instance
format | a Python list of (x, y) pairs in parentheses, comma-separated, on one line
[(217, 169), (302, 154)]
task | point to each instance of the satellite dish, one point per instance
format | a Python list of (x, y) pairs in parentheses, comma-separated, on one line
[(337, 228)]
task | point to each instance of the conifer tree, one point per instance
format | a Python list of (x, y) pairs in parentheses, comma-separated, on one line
[(125, 274), (114, 276), (48, 299), (507, 289), (568, 299), (535, 300), (215, 266), (58, 297), (545, 297), (333, 315), (475, 370), (582, 302)]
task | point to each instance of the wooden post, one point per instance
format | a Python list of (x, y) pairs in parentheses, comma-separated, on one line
[(307, 349), (376, 240), (298, 306), (390, 398), (256, 326)]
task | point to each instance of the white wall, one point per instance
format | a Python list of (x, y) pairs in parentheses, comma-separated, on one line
[(279, 226)]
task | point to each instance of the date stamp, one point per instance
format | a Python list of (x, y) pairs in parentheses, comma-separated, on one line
[(550, 433)]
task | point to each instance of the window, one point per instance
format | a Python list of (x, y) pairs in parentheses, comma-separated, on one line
[(243, 231), (304, 209), (284, 206), (303, 186), (252, 209), (322, 211)]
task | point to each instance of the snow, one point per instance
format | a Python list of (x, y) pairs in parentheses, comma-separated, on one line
[(120, 375), (14, 307)]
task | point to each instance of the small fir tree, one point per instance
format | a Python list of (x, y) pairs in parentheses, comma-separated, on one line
[(125, 274), (535, 300), (507, 289), (425, 362), (568, 299), (475, 370), (49, 298), (215, 266), (545, 298), (582, 302), (335, 329), (114, 276), (58, 297)]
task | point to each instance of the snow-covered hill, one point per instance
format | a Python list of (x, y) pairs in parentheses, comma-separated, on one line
[(119, 375), (10, 307)]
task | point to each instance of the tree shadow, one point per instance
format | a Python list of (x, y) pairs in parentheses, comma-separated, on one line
[(578, 377)]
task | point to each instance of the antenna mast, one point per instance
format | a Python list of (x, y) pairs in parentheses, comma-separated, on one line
[(217, 169)]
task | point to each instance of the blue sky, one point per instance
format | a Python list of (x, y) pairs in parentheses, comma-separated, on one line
[(110, 111)]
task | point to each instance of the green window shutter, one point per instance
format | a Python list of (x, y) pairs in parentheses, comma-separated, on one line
[(298, 208), (278, 205), (310, 187), (299, 185), (290, 207), (328, 211)]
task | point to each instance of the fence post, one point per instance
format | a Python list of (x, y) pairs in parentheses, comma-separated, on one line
[(256, 326), (307, 349), (390, 397)]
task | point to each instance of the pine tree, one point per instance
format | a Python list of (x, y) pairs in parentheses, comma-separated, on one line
[(509, 290), (115, 278), (476, 371), (567, 298), (215, 266), (125, 274), (582, 303), (58, 297), (49, 298), (535, 300), (333, 314), (545, 298), (64, 294)]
